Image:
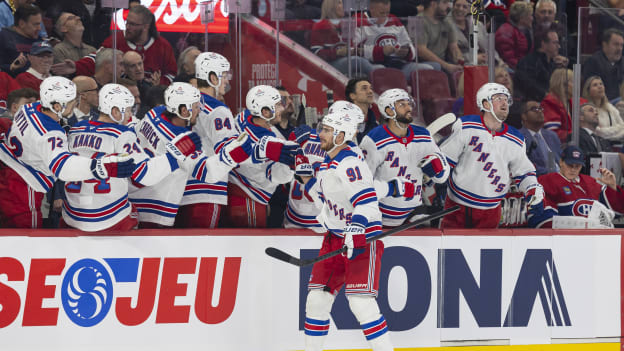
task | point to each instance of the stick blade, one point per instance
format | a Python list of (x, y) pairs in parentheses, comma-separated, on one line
[(282, 256)]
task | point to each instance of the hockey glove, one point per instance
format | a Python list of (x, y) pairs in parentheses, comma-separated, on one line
[(354, 240), (183, 145), (301, 134), (114, 166), (432, 165), (534, 198), (274, 149), (303, 168), (237, 150), (401, 187)]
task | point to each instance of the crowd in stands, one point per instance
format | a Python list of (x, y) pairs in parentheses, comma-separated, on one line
[(72, 38)]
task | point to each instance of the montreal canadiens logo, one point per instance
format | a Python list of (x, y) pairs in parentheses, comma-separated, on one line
[(87, 292), (582, 207)]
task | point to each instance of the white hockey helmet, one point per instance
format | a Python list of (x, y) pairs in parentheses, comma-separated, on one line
[(487, 91), (389, 97), (262, 96), (211, 62), (57, 90), (114, 95), (179, 93), (342, 121), (346, 106)]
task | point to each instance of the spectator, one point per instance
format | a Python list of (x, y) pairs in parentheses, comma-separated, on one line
[(104, 69), (155, 96), (545, 12), (141, 36), (607, 63), (18, 98), (534, 70), (15, 41), (610, 124), (7, 85), (502, 77), (543, 146), (329, 42), (437, 44), (462, 24), (360, 92), (395, 48), (134, 90), (285, 126), (84, 9), (7, 14), (40, 58), (513, 38), (563, 190), (87, 107), (589, 141), (70, 28), (558, 102), (133, 69), (186, 65)]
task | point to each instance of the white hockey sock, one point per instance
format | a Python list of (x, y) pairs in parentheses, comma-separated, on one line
[(318, 306), (373, 323)]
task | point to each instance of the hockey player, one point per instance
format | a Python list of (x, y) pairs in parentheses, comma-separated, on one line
[(157, 204), (254, 181), (571, 193), (400, 149), (350, 214), (483, 151), (202, 203), (102, 204), (34, 154)]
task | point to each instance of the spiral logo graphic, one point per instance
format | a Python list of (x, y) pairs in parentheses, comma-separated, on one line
[(87, 292)]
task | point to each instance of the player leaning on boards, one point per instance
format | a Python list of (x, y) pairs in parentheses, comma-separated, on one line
[(203, 202), (102, 204), (401, 150), (483, 151), (34, 154), (157, 204), (350, 213)]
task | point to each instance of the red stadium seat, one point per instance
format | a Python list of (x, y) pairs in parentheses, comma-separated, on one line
[(383, 79), (435, 93)]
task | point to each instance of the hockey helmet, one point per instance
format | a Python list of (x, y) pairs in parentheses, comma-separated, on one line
[(262, 96), (211, 62), (57, 90), (179, 93), (346, 106), (487, 91), (389, 97), (115, 95)]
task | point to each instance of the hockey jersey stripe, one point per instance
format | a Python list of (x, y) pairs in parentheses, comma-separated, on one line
[(261, 196), (519, 179), (301, 220), (112, 131), (45, 181), (472, 198), (394, 212), (363, 197), (513, 138), (315, 327), (194, 187), (140, 172), (57, 163), (99, 214), (36, 122), (161, 208)]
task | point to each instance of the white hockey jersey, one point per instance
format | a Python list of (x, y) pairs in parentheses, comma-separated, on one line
[(259, 178), (483, 163), (36, 148), (345, 185), (215, 124), (389, 156), (301, 210), (94, 204), (159, 203)]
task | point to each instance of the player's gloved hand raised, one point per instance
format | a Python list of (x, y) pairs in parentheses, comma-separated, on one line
[(401, 187), (300, 134), (183, 145), (237, 150), (275, 149), (354, 240), (303, 168), (115, 166), (432, 165)]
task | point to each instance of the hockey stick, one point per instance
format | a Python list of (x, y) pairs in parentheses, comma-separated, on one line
[(441, 122), (283, 256)]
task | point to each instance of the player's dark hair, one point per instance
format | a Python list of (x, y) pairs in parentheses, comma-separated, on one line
[(350, 88)]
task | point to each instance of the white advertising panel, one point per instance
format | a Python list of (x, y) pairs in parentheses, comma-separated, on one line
[(223, 292)]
